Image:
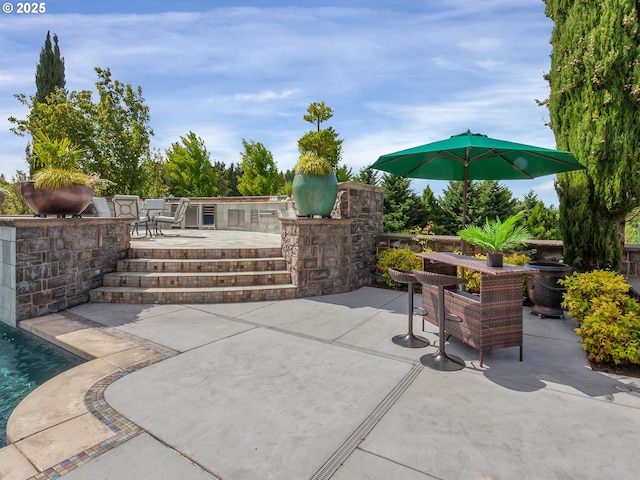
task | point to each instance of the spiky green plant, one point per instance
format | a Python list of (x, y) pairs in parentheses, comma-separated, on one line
[(312, 164), (497, 236), (58, 160)]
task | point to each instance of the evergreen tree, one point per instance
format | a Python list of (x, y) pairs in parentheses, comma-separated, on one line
[(226, 177), (593, 107), (368, 175), (451, 205), (491, 200), (434, 210), (541, 222), (259, 175), (403, 209), (50, 69)]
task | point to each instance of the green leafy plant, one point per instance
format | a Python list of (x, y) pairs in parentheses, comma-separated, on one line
[(584, 288), (398, 259), (609, 319), (421, 236), (58, 160), (473, 276), (312, 164), (497, 236), (611, 332)]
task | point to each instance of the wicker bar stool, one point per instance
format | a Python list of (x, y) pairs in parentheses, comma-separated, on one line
[(408, 340), (441, 360)]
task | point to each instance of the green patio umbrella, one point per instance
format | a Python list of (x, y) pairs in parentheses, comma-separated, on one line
[(473, 156)]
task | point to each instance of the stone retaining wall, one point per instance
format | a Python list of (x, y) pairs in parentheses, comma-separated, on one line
[(50, 264), (545, 250)]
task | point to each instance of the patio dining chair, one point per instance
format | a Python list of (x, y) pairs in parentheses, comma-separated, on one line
[(176, 218), (127, 206), (101, 206)]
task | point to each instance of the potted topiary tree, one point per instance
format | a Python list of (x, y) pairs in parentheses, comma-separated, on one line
[(59, 187), (496, 236), (314, 186)]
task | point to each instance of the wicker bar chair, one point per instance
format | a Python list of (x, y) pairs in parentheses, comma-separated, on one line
[(441, 360), (408, 340)]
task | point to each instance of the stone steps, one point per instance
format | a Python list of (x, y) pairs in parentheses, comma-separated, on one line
[(195, 279), (197, 275), (201, 265)]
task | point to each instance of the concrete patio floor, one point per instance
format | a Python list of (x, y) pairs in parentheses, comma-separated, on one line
[(314, 388)]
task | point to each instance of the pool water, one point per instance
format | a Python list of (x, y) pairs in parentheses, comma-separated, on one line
[(25, 363)]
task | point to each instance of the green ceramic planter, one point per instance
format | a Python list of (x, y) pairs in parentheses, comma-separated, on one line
[(315, 194)]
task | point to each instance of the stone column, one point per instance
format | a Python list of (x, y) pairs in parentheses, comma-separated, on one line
[(338, 254)]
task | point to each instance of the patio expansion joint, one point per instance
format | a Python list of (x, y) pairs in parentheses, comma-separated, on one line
[(334, 462)]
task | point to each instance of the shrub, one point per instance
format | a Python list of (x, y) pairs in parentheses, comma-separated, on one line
[(398, 259), (611, 331), (609, 319), (421, 236), (583, 288), (473, 277)]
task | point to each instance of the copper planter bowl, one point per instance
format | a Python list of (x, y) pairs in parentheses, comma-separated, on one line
[(70, 200)]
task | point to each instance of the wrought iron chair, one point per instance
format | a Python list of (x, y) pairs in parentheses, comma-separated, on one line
[(177, 218), (127, 206)]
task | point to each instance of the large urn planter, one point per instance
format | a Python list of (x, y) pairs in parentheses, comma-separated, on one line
[(543, 288), (71, 200), (315, 194)]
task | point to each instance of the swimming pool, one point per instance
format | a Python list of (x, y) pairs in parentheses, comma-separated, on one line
[(25, 363)]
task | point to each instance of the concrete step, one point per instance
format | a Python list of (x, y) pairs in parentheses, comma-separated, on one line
[(195, 279), (168, 265), (192, 295)]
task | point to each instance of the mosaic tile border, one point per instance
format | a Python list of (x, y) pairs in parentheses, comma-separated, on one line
[(95, 402)]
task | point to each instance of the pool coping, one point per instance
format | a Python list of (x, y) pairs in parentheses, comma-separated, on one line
[(39, 443)]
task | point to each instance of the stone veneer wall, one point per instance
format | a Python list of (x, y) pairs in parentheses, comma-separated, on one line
[(50, 264), (338, 254)]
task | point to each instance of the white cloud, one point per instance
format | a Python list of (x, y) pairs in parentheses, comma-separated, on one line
[(396, 74)]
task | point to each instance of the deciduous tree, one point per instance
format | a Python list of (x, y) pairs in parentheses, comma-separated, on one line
[(259, 175), (190, 168)]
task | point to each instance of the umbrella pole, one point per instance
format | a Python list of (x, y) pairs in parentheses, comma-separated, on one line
[(465, 186)]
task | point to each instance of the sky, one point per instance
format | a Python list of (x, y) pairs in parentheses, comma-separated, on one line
[(397, 74)]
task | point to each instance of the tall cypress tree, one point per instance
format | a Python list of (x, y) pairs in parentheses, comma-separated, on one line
[(50, 69), (594, 112)]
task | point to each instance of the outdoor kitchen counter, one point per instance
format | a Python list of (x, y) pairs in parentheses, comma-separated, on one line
[(488, 321)]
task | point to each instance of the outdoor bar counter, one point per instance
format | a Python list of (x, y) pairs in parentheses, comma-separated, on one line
[(489, 321)]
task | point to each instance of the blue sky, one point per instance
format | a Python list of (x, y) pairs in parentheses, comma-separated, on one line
[(397, 73)]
